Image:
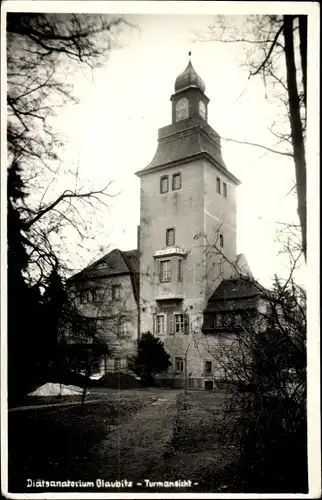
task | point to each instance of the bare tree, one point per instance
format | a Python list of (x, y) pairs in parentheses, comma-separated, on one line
[(267, 40), (43, 50), (260, 356)]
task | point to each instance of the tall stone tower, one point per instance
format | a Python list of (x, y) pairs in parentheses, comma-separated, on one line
[(188, 203)]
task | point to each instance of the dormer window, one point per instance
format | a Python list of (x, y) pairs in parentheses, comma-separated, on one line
[(182, 109)]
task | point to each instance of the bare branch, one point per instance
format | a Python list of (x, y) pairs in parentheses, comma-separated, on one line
[(283, 153)]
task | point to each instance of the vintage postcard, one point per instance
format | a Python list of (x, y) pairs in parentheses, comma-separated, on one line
[(159, 202)]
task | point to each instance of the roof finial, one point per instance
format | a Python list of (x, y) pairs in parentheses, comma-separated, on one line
[(189, 54)]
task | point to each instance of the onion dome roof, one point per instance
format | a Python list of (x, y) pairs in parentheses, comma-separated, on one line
[(189, 78)]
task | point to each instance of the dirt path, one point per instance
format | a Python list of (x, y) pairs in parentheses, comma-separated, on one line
[(136, 450)]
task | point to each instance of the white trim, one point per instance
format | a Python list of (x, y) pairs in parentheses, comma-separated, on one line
[(164, 324)]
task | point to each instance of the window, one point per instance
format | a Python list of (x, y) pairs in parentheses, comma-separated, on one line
[(221, 240), (117, 365), (178, 323), (170, 237), (95, 366), (218, 320), (125, 326), (94, 295), (178, 363), (228, 319), (202, 110), (218, 185), (165, 271), (160, 324), (116, 292), (85, 296), (208, 367), (225, 189), (176, 181), (164, 184), (179, 270), (83, 366), (237, 319), (182, 109)]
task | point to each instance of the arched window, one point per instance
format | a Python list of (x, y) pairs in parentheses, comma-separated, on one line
[(202, 110), (182, 109)]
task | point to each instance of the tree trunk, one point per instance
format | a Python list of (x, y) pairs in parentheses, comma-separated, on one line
[(303, 51), (296, 126)]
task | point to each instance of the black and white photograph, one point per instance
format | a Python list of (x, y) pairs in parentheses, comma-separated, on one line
[(159, 249)]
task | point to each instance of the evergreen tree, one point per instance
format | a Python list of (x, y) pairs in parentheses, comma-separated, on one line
[(152, 358)]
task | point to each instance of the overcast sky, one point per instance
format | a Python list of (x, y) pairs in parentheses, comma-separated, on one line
[(112, 132)]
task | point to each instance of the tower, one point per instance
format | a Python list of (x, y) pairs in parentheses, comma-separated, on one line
[(188, 203)]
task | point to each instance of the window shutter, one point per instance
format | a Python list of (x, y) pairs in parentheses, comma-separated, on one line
[(157, 268), (171, 324), (186, 323), (154, 324)]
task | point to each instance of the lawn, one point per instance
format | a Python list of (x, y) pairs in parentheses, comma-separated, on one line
[(57, 443), (200, 451)]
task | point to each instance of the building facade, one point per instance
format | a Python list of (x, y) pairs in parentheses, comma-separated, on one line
[(186, 248), (106, 294)]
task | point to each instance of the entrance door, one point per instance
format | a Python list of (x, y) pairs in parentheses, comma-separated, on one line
[(209, 385)]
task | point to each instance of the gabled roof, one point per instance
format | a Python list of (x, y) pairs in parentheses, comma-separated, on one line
[(236, 288), (233, 294), (114, 263)]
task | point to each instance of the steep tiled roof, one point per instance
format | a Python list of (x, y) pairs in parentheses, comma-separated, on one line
[(234, 294), (114, 263), (187, 140), (236, 288), (132, 261)]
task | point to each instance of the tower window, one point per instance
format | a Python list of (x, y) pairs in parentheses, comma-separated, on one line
[(182, 109), (170, 237), (165, 271), (160, 324), (176, 181), (218, 185), (179, 323), (164, 184), (224, 189), (221, 240), (179, 277), (202, 109)]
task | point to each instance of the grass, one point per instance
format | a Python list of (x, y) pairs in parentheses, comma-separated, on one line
[(58, 443), (200, 452)]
